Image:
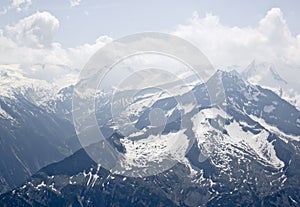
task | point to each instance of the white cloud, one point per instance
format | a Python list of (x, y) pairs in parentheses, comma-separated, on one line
[(271, 41), (29, 43), (74, 3), (19, 5), (34, 31)]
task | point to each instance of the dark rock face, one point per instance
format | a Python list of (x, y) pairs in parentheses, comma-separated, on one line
[(249, 163)]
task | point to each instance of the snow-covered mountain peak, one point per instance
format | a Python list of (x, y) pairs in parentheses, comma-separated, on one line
[(14, 82), (282, 79), (262, 71)]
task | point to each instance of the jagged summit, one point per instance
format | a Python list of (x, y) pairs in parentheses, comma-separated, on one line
[(278, 78)]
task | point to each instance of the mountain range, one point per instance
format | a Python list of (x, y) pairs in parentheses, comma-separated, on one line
[(245, 153)]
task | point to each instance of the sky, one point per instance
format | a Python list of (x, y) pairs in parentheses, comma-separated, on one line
[(83, 21), (68, 32)]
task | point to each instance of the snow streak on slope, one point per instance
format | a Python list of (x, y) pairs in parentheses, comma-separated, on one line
[(274, 129), (5, 115)]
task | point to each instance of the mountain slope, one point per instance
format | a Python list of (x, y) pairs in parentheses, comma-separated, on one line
[(30, 136), (246, 154)]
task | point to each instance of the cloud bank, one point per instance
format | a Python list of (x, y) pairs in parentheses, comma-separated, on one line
[(270, 41)]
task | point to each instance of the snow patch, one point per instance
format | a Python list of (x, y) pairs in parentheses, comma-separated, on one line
[(154, 148), (258, 143)]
